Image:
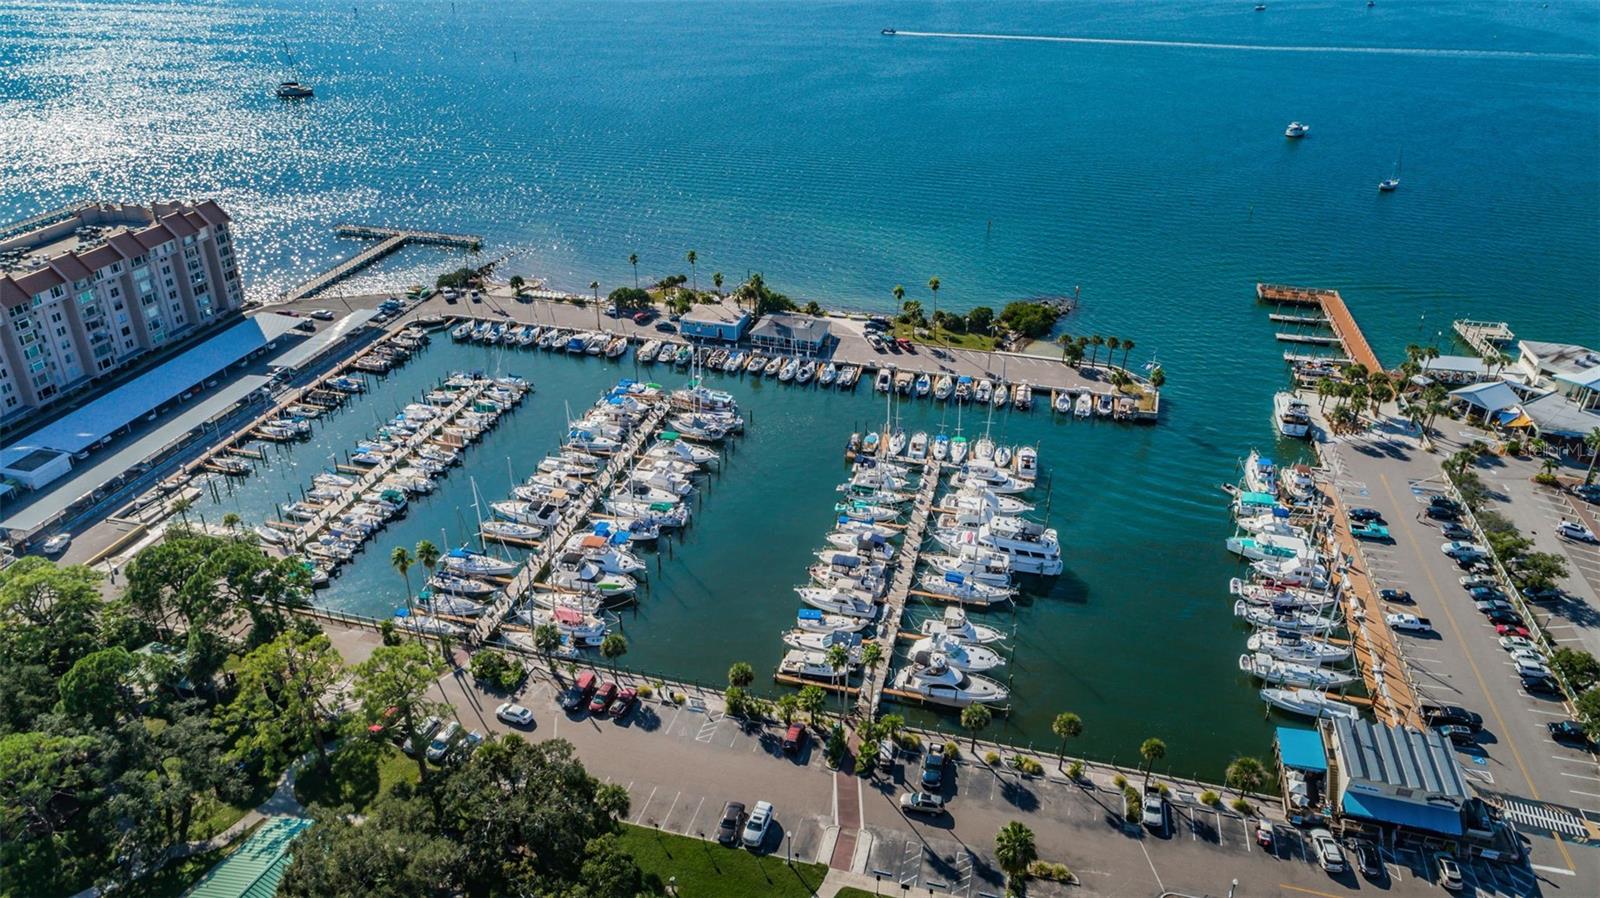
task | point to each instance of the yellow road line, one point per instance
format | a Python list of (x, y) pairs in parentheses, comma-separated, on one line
[(1284, 885), (1504, 732)]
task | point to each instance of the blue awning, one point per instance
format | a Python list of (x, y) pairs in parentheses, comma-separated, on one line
[(1302, 749), (1444, 820)]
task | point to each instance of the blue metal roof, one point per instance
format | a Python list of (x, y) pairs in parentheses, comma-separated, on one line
[(1302, 749), (1434, 819)]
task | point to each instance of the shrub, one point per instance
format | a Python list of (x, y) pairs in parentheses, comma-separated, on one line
[(1030, 767), (1120, 781), (1544, 479), (1130, 797), (678, 698), (908, 741), (991, 758), (1051, 872), (1240, 805), (492, 668), (1162, 788), (1210, 798), (646, 690), (1075, 770), (952, 750), (836, 745)]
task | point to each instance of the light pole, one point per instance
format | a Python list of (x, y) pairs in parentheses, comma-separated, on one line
[(1232, 887), (788, 848)]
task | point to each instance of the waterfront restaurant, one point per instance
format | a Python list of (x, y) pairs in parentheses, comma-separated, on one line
[(790, 333), (1396, 776), (717, 323)]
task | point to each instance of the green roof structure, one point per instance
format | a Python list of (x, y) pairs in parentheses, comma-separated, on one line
[(254, 870)]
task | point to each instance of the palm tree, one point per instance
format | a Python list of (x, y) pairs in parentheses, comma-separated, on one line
[(839, 660), (933, 287), (974, 718), (741, 674), (595, 286), (716, 281), (788, 707), (1095, 341), (1152, 750), (1064, 341), (913, 312), (1158, 377), (1382, 391), (614, 646), (517, 283), (1592, 441), (871, 656), (427, 555), (181, 508), (1245, 774), (1326, 386), (1413, 352), (694, 272), (633, 259), (546, 638), (899, 296), (1127, 347), (1067, 725), (1112, 344), (231, 521), (811, 699), (1428, 355), (401, 560), (1014, 850)]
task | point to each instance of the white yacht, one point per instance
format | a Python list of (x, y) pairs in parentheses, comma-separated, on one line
[(958, 587), (961, 656), (810, 666), (991, 568), (1083, 407), (461, 586), (1297, 129), (1277, 672), (1260, 474), (1292, 415), (606, 553), (1270, 548), (1309, 703), (815, 621), (930, 676), (572, 571), (834, 601), (956, 623), (918, 448), (1295, 648), (465, 562), (822, 640), (1289, 621), (453, 606), (867, 545)]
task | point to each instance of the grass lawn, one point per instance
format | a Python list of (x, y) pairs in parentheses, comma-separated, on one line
[(358, 774), (709, 870), (947, 338)]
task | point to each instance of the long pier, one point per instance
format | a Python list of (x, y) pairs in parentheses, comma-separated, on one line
[(900, 586), (390, 240), (1343, 324), (526, 578)]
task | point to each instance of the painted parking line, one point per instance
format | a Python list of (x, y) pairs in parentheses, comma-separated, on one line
[(645, 806), (708, 727)]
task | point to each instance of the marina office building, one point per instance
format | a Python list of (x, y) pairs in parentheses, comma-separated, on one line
[(87, 290)]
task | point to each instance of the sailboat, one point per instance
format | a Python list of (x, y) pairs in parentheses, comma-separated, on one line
[(292, 89), (1392, 183)]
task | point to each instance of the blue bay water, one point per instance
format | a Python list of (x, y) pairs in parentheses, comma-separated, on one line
[(795, 140)]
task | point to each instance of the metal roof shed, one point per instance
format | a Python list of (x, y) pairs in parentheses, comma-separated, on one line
[(1302, 749), (255, 869)]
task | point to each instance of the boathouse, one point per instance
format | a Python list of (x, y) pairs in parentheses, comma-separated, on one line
[(790, 333), (1396, 776)]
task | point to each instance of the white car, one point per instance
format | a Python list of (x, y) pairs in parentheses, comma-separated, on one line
[(1329, 854), (1529, 655), (1530, 668), (1575, 531), (321, 314), (442, 741), (1473, 581), (514, 714), (1408, 622), (1514, 643), (755, 828), (57, 544), (1458, 549)]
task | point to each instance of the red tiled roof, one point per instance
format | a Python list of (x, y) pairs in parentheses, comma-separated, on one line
[(211, 212), (178, 225), (10, 294), (68, 266), (40, 279), (150, 238)]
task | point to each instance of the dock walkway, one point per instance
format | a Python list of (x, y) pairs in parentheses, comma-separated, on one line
[(524, 581), (390, 240), (1343, 324), (900, 587), (1487, 338)]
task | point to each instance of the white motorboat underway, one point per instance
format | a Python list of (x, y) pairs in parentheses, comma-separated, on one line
[(958, 654), (1277, 672), (1295, 648), (956, 623), (1309, 703), (1295, 129), (931, 676)]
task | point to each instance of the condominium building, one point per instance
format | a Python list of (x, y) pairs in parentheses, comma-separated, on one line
[(88, 289)]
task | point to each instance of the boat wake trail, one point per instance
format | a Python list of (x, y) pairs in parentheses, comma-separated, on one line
[(1259, 48)]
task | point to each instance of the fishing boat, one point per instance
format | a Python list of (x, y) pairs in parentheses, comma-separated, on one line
[(866, 511), (822, 640), (1022, 395), (1083, 407), (903, 382), (992, 568), (958, 654), (814, 621), (834, 601), (1027, 463), (1295, 648), (867, 545), (1309, 703), (1292, 415), (1260, 474), (955, 622), (1270, 548), (931, 677), (810, 665), (1296, 129), (1277, 672)]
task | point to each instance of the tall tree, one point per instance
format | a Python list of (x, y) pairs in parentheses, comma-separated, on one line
[(933, 288), (1151, 750), (1014, 850), (812, 700), (614, 646), (1245, 774), (400, 560), (694, 271), (741, 674), (427, 555), (973, 719), (1591, 440), (716, 281), (633, 259), (391, 687), (1066, 725), (1127, 347), (99, 688), (283, 702)]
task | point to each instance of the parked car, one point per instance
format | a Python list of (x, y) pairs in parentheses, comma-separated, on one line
[(1395, 595), (1486, 594), (1541, 684), (57, 544), (1511, 630), (624, 702), (1505, 616), (322, 314), (1441, 513), (573, 698), (1409, 623), (468, 744), (1154, 813), (728, 826), (1513, 643), (665, 327), (1445, 502), (1452, 530), (1365, 514), (1458, 735), (603, 697), (1458, 549), (1528, 667), (794, 739), (514, 714), (1542, 594), (1473, 581), (1329, 855), (1570, 732), (1367, 858), (1450, 873), (1490, 606), (419, 738), (1528, 654), (1440, 715), (645, 317), (755, 828), (1372, 530), (1576, 532), (1589, 492), (933, 767), (442, 741), (921, 803)]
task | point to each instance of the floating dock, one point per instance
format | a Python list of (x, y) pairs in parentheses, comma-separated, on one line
[(1345, 330), (390, 240), (894, 605)]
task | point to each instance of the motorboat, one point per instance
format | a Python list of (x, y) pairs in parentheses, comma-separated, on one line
[(822, 640), (865, 511), (429, 625), (270, 536), (583, 628), (931, 677), (606, 552), (923, 385), (955, 622), (991, 568), (1270, 548), (810, 665), (943, 387), (958, 654), (576, 573), (1277, 672), (964, 389), (460, 586), (903, 382), (756, 363), (884, 381), (647, 350), (1083, 407), (1273, 523), (814, 621), (1104, 405), (465, 562), (918, 447), (959, 447), (1061, 403), (1297, 129), (1260, 474), (983, 390), (1281, 597), (1309, 703), (537, 516), (985, 476), (293, 90), (1289, 621), (1292, 572), (1297, 649), (828, 374), (834, 601), (1292, 415), (1033, 548), (958, 587), (865, 545), (1027, 463), (1022, 395), (668, 446)]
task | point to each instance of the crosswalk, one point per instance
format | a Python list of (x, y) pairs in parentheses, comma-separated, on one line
[(1544, 816)]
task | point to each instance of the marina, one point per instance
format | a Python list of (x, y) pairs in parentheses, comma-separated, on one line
[(389, 241), (1347, 334)]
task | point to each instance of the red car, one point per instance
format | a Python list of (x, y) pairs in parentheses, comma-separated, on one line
[(794, 739), (643, 317), (1510, 630), (603, 698), (624, 702), (905, 344)]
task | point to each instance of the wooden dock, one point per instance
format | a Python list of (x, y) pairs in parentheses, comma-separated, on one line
[(1487, 338), (390, 240), (900, 585), (1347, 333)]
